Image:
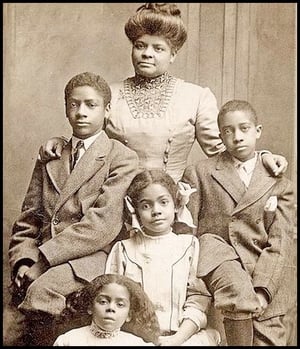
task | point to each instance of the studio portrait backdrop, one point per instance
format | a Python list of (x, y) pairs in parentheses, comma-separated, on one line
[(238, 50)]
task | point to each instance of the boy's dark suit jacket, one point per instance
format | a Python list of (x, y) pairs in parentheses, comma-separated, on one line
[(262, 240), (71, 217)]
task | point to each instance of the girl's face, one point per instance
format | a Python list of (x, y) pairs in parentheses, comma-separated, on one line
[(151, 55), (111, 307), (156, 210)]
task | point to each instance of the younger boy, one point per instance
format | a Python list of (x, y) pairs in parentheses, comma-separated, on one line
[(71, 213), (244, 224)]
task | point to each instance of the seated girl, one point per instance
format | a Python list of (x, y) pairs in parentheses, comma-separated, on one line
[(114, 302), (164, 263)]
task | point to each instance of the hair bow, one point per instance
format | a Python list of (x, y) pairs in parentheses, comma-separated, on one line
[(134, 221), (183, 214)]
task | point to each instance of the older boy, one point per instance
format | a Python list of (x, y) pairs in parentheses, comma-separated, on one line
[(71, 213), (245, 229)]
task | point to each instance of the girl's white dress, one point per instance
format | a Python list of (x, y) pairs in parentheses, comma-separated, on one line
[(82, 336), (166, 267)]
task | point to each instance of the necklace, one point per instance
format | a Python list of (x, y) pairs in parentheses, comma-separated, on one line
[(149, 97), (99, 333)]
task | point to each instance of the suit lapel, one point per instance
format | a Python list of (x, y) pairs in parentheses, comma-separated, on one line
[(260, 183), (226, 175), (89, 164), (59, 169)]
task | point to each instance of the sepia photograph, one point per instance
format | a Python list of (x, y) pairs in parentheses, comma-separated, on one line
[(149, 174)]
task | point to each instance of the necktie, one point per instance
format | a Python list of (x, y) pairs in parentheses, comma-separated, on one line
[(243, 175), (75, 154)]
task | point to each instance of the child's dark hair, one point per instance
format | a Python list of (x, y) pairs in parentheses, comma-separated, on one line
[(92, 80), (143, 323), (161, 19), (147, 177), (237, 105)]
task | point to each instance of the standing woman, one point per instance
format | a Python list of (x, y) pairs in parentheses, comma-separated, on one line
[(154, 113)]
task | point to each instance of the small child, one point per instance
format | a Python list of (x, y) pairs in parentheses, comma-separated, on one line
[(244, 219), (164, 263), (112, 302)]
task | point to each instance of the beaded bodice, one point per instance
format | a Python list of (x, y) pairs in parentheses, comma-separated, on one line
[(149, 97), (163, 131)]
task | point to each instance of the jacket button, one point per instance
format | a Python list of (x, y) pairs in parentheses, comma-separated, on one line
[(255, 242), (55, 221), (126, 141), (258, 220)]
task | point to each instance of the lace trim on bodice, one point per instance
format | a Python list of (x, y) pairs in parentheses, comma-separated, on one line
[(99, 333), (149, 97)]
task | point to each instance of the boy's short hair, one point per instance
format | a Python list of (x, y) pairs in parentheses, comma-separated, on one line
[(92, 80), (237, 105)]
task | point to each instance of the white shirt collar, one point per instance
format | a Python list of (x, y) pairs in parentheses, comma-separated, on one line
[(248, 165), (87, 141)]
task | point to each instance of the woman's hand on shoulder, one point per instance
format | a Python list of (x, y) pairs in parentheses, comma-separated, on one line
[(275, 164), (52, 149)]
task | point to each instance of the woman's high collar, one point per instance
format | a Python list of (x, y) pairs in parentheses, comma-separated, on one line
[(144, 80)]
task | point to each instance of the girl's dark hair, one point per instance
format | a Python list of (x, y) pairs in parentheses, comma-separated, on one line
[(161, 19), (142, 181), (92, 80), (237, 105), (143, 323)]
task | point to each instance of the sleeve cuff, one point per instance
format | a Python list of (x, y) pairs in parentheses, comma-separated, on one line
[(267, 293), (262, 152), (197, 316)]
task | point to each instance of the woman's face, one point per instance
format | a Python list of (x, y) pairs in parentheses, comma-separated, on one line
[(151, 55)]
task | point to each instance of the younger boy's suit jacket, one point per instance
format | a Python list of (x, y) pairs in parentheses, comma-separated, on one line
[(262, 240), (71, 217)]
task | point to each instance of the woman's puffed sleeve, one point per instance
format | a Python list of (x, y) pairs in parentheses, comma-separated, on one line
[(207, 132)]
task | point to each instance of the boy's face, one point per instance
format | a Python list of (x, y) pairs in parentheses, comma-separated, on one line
[(239, 134), (85, 111)]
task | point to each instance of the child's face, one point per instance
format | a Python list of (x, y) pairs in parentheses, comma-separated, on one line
[(156, 210), (239, 134), (85, 111), (111, 307)]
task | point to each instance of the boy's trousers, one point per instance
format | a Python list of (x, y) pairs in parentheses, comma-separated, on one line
[(234, 295), (46, 295)]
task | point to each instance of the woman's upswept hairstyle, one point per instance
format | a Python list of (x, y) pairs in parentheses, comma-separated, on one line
[(143, 323), (161, 19), (92, 80)]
